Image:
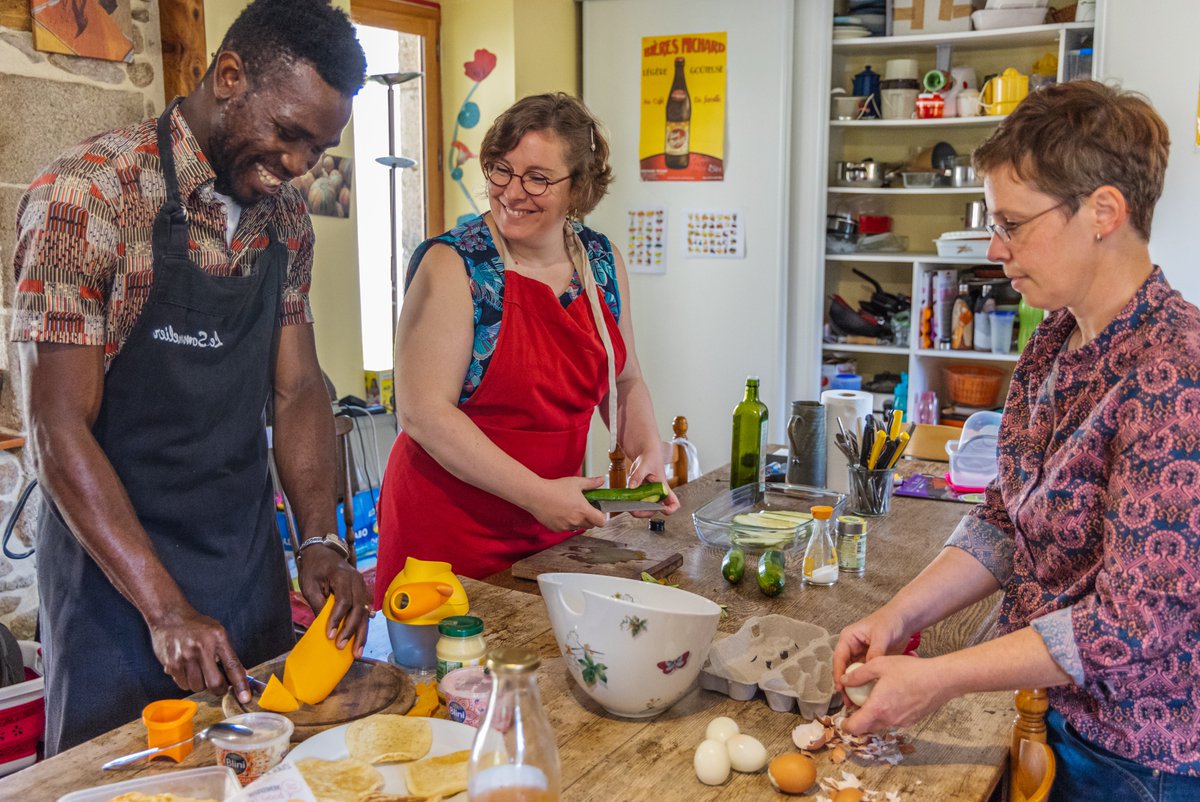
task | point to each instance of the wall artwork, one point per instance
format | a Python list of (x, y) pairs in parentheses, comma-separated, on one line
[(101, 29), (326, 187), (715, 234), (683, 108), (467, 118), (647, 250)]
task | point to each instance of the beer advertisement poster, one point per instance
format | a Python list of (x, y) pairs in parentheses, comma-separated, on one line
[(683, 108)]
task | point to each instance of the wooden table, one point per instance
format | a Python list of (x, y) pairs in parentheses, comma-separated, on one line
[(960, 754)]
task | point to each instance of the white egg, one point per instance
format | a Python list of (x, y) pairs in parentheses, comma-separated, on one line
[(721, 728), (746, 753), (711, 762), (858, 693)]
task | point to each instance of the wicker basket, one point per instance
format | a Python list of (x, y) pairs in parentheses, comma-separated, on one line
[(974, 385)]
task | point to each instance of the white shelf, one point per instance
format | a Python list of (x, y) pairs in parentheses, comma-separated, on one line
[(1001, 38), (978, 356), (914, 123), (849, 348), (927, 258), (906, 190)]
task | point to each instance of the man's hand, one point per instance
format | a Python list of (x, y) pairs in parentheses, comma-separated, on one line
[(323, 571), (195, 650)]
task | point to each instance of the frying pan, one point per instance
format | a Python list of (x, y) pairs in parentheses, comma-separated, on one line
[(881, 299), (845, 320)]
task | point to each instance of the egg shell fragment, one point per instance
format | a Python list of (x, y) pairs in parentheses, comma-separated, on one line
[(746, 753), (711, 762), (721, 728)]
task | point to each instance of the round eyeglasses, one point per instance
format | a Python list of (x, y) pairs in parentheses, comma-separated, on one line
[(1006, 230), (534, 183)]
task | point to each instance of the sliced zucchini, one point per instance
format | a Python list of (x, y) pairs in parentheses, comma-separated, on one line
[(761, 521), (651, 491)]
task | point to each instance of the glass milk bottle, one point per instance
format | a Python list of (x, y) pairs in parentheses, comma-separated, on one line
[(514, 757), (820, 557)]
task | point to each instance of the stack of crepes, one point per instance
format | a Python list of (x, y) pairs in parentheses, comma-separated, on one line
[(312, 670)]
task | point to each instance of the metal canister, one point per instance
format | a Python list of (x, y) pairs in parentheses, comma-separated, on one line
[(852, 544)]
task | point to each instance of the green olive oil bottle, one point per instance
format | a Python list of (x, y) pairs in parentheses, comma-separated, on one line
[(747, 461)]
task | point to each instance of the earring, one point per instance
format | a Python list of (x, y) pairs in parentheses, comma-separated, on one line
[(1098, 238)]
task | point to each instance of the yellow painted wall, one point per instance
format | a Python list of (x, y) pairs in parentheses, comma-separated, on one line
[(334, 294), (547, 43)]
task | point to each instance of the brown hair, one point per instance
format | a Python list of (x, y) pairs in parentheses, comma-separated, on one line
[(586, 148), (1069, 139)]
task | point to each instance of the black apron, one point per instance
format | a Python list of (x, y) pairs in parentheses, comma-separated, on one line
[(182, 422)]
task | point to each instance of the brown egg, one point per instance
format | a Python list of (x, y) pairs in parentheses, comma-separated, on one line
[(792, 773), (849, 795)]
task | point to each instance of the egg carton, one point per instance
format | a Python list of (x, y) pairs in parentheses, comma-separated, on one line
[(790, 661)]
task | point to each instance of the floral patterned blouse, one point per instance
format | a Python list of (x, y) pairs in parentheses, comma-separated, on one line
[(1092, 526), (472, 240)]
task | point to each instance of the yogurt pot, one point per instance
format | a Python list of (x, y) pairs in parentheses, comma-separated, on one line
[(466, 691), (251, 756)]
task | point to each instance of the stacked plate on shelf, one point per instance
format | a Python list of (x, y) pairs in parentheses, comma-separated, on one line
[(849, 28), (1009, 14)]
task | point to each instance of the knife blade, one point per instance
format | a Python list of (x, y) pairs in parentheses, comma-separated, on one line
[(626, 506)]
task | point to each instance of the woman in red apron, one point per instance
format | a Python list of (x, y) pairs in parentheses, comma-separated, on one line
[(513, 333)]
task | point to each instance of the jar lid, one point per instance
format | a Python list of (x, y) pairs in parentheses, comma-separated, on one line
[(460, 626), (516, 659), (852, 525), (821, 512)]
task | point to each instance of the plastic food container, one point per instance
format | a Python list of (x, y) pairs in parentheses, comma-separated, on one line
[(210, 782), (716, 528), (921, 180), (466, 691), (22, 713), (251, 756), (971, 243), (973, 457)]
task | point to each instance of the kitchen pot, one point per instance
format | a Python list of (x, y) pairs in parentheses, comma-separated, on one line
[(963, 174), (866, 173), (975, 215), (841, 226)]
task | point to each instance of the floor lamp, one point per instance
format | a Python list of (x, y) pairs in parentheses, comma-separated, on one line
[(393, 162)]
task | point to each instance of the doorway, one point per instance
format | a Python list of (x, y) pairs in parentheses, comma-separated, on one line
[(398, 36)]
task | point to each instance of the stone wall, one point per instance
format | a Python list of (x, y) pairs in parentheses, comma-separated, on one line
[(52, 102)]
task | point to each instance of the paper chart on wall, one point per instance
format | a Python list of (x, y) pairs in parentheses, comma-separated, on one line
[(647, 246), (715, 234)]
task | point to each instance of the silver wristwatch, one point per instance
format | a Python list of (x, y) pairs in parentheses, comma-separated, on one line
[(331, 540)]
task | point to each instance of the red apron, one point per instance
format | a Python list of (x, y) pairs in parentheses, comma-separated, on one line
[(545, 379)]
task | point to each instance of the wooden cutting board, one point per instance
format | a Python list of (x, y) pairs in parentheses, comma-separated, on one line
[(370, 686), (591, 555)]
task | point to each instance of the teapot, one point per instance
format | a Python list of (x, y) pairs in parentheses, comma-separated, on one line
[(1002, 93), (866, 85)]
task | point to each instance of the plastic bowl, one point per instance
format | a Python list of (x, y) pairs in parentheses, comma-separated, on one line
[(716, 529), (919, 180)]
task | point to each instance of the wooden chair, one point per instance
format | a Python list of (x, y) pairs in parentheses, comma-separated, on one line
[(343, 425), (1031, 761), (617, 473)]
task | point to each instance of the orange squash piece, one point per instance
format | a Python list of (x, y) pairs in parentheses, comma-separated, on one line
[(277, 699), (316, 665)]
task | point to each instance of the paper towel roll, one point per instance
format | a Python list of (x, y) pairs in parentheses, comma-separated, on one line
[(849, 405)]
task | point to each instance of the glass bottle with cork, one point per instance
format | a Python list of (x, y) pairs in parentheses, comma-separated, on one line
[(820, 556), (460, 643), (514, 757), (747, 460), (679, 121)]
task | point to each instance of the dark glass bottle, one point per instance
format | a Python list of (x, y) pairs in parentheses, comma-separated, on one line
[(747, 460), (679, 121)]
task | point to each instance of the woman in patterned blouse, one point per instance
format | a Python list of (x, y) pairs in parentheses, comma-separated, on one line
[(516, 328), (1092, 527)]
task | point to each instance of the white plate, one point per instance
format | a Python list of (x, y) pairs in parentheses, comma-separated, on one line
[(448, 736), (850, 33)]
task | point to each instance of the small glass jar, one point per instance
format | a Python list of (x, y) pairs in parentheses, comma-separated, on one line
[(851, 544), (461, 643)]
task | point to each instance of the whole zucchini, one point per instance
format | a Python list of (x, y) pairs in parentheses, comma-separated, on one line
[(733, 565), (771, 572), (651, 491)]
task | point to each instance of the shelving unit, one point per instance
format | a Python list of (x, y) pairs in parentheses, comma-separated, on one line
[(921, 214)]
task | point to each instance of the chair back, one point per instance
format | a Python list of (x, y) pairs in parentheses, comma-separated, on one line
[(1031, 761)]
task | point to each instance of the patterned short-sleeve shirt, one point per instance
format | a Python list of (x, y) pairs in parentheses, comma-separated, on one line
[(1092, 526), (472, 240), (83, 258)]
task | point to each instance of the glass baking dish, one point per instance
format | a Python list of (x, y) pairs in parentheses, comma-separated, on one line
[(716, 528)]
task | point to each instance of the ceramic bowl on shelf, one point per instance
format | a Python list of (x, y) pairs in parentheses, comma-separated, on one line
[(990, 19)]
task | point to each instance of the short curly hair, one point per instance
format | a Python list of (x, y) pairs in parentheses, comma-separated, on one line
[(1072, 138), (270, 35), (566, 116)]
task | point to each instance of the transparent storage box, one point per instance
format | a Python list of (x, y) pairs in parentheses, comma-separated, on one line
[(210, 782), (716, 528)]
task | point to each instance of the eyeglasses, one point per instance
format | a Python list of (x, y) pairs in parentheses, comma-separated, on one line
[(533, 183), (1006, 230)]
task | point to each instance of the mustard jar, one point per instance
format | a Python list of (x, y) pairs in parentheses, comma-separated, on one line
[(460, 643)]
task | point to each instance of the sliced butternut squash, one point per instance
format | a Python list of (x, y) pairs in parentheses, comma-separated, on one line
[(276, 698)]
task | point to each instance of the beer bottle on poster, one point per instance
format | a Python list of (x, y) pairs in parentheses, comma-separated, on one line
[(747, 461), (679, 121)]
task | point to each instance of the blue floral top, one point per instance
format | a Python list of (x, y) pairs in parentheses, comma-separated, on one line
[(485, 270)]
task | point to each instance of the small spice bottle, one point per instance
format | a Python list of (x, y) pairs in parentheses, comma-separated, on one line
[(852, 544), (461, 643)]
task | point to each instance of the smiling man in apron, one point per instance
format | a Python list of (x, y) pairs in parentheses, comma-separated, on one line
[(162, 277)]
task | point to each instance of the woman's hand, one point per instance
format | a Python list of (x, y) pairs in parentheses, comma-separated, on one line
[(907, 689), (560, 506), (645, 468), (880, 633)]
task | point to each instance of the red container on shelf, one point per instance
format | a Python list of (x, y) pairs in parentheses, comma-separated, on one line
[(930, 106), (874, 224)]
